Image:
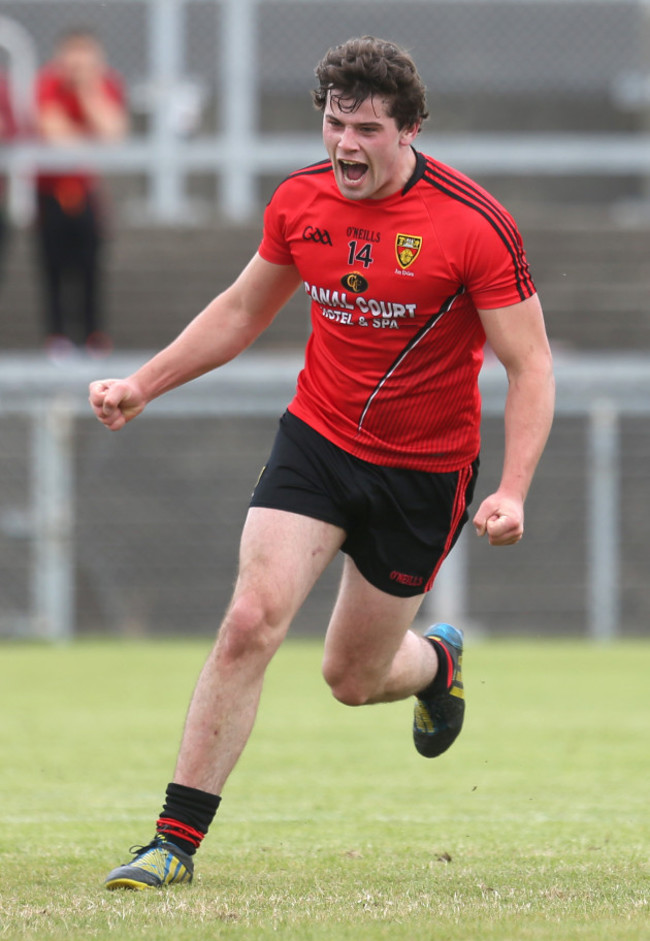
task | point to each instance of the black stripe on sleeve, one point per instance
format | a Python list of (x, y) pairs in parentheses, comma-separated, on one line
[(323, 166), (470, 195)]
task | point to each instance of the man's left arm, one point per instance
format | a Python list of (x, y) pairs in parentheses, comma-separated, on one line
[(517, 336)]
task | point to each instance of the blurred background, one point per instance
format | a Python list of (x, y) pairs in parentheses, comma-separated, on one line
[(545, 102)]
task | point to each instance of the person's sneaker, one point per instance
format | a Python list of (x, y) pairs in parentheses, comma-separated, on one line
[(152, 867), (438, 719)]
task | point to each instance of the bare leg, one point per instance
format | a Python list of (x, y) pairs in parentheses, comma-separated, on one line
[(281, 557), (370, 653)]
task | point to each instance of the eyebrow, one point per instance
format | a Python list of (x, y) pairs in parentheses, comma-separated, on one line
[(370, 123)]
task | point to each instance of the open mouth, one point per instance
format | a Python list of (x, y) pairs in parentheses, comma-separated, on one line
[(352, 171)]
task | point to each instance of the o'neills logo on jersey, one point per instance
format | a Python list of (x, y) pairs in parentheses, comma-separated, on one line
[(407, 249), (354, 282)]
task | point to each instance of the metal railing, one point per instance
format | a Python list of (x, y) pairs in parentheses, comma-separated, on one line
[(595, 387), (239, 153)]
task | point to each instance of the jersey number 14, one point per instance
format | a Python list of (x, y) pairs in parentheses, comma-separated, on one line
[(362, 255)]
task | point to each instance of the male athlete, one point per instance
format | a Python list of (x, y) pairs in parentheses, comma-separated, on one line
[(409, 266)]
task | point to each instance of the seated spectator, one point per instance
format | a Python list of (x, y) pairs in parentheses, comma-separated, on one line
[(78, 98)]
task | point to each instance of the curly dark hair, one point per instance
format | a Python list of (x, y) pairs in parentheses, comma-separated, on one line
[(366, 67)]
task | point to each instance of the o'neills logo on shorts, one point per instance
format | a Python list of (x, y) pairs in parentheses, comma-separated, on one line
[(407, 249), (413, 580)]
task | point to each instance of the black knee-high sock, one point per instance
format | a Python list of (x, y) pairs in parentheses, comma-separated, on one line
[(186, 816)]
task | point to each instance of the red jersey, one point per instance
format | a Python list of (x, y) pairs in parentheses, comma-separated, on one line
[(392, 362), (51, 88)]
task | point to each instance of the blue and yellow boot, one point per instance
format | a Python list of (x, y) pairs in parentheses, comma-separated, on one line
[(154, 866), (439, 712)]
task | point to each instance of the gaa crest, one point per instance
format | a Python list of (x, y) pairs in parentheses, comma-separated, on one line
[(407, 249)]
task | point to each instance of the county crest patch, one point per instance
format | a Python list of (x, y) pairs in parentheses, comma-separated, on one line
[(407, 249)]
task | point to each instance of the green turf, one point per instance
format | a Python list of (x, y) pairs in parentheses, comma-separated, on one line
[(533, 826)]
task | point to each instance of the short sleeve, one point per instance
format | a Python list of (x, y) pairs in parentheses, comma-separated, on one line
[(274, 246), (496, 272)]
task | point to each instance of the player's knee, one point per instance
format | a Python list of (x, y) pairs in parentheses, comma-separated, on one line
[(346, 688), (250, 628), (351, 694)]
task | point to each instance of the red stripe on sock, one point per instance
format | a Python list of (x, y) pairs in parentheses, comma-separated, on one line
[(168, 826), (450, 664)]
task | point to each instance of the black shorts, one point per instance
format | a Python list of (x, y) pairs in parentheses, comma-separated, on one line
[(400, 524)]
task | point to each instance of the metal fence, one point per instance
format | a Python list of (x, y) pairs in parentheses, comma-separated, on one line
[(220, 88), (138, 532)]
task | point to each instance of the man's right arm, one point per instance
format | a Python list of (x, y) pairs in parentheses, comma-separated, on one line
[(226, 327)]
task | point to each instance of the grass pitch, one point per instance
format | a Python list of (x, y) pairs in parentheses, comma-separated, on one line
[(533, 826)]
